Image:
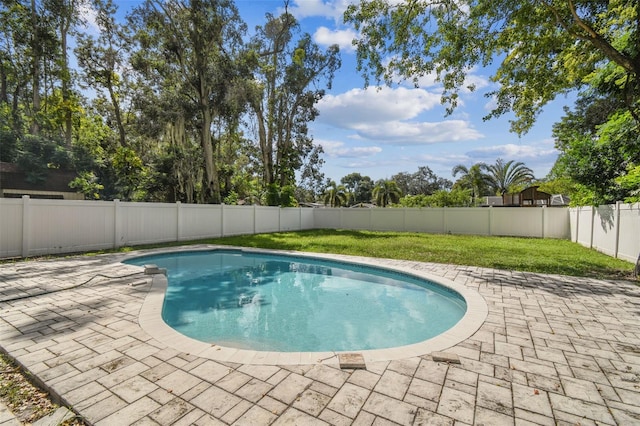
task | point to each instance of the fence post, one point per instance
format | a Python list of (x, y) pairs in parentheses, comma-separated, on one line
[(577, 211), (255, 219), (543, 210), (117, 225), (593, 220), (617, 228), (178, 220), (26, 225), (222, 220)]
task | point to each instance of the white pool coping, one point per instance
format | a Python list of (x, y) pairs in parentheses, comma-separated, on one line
[(150, 318)]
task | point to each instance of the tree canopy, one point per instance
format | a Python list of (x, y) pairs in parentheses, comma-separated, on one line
[(183, 104), (544, 47)]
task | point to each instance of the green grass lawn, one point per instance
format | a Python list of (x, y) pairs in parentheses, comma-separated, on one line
[(547, 256)]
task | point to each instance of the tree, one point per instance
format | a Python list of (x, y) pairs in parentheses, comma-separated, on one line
[(186, 52), (472, 178), (65, 15), (546, 47), (311, 182), (385, 192), (283, 96), (335, 195), (101, 59), (424, 181), (360, 187), (503, 177), (599, 142)]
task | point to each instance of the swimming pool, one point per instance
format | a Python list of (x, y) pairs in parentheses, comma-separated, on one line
[(274, 302)]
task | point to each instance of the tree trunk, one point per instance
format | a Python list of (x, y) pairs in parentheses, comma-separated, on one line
[(35, 72), (66, 77), (116, 110), (212, 187)]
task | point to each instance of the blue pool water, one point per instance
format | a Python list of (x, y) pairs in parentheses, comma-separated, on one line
[(285, 303)]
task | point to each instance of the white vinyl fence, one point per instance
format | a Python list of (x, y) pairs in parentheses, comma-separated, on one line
[(32, 227), (611, 229)]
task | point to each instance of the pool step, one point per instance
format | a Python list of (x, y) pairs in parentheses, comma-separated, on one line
[(352, 360)]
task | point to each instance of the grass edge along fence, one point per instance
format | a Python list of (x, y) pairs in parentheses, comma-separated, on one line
[(35, 227)]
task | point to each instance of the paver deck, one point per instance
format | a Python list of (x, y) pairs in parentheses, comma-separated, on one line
[(552, 350)]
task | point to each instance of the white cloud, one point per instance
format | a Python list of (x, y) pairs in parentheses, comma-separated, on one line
[(363, 106), (491, 104), (338, 149), (88, 15), (343, 38), (472, 79), (390, 116), (515, 152), (401, 133), (331, 9)]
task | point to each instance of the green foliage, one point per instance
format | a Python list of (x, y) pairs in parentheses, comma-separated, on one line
[(386, 192), (8, 146), (231, 199), (335, 195), (441, 198), (631, 183), (598, 141), (38, 154), (424, 181), (130, 173), (473, 179), (87, 184), (359, 187), (506, 177), (543, 48), (277, 196)]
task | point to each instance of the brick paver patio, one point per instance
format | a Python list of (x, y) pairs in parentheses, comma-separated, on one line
[(553, 350)]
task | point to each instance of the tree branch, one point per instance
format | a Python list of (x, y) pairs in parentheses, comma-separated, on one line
[(602, 44)]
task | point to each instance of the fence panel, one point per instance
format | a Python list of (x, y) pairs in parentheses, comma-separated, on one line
[(584, 219), (356, 219), (425, 220), (290, 219), (238, 220), (327, 219), (605, 230), (517, 221), (199, 221), (467, 220), (307, 218), (629, 244), (147, 223), (59, 226), (387, 219), (10, 227), (267, 219), (557, 223)]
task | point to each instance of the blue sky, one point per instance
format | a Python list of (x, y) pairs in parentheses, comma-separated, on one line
[(379, 132)]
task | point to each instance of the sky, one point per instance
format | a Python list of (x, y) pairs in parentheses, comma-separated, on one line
[(381, 131)]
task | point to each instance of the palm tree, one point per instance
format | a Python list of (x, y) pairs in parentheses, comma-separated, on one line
[(335, 195), (385, 192), (472, 178), (503, 176)]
